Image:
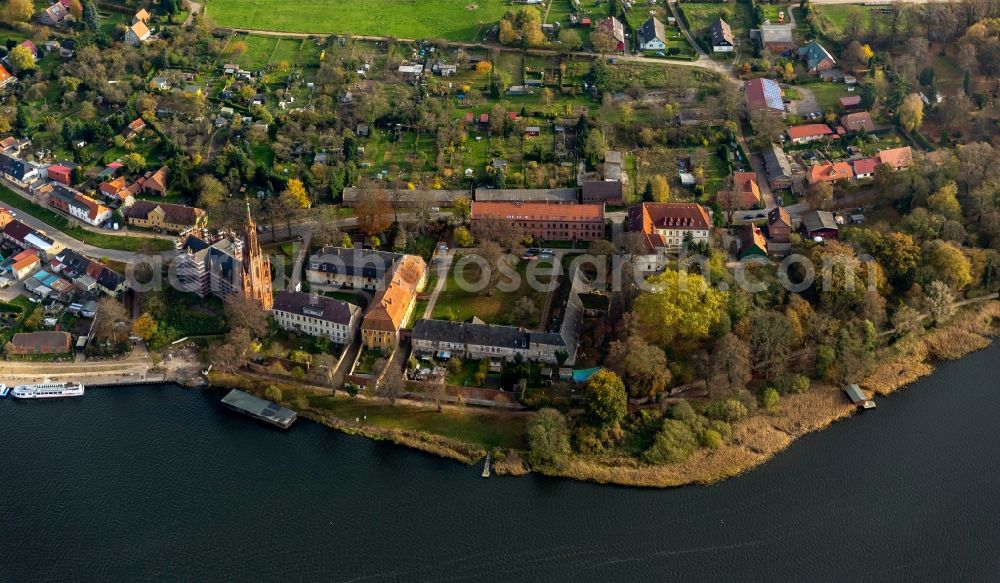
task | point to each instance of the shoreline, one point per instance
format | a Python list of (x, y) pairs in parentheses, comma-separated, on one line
[(755, 440)]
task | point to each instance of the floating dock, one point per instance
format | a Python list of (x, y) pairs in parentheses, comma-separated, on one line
[(259, 409), (858, 397)]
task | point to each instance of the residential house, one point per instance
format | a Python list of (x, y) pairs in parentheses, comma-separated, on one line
[(896, 157), (35, 343), (526, 195), (615, 29), (165, 217), (820, 224), (764, 96), (850, 101), (31, 48), (88, 274), (137, 34), (160, 83), (316, 315), (393, 305), (78, 205), (752, 241), (156, 182), (24, 264), (666, 225), (19, 171), (779, 169), (745, 193), (779, 225), (858, 122), (652, 35), (26, 237), (811, 132), (721, 37), (55, 15), (119, 191), (830, 172), (5, 77), (141, 16), (134, 128), (609, 192), (59, 173), (411, 70), (816, 57), (865, 167), (553, 222)]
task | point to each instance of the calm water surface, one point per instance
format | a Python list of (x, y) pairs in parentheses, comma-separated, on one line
[(161, 484)]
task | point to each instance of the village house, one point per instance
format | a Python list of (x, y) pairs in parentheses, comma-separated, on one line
[(141, 16), (721, 37), (779, 225), (25, 237), (830, 172), (24, 264), (37, 343), (392, 305), (665, 225), (173, 218), (134, 128), (88, 274), (316, 315), (652, 35), (553, 222), (78, 205), (745, 194), (752, 241), (764, 96), (850, 101), (816, 57), (897, 158), (615, 29), (56, 15), (613, 166), (137, 34), (858, 122), (865, 167), (20, 172), (351, 268), (5, 77), (804, 134), (820, 224), (155, 182), (60, 173)]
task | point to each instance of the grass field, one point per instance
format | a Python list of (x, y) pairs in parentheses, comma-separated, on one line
[(463, 20), (456, 303)]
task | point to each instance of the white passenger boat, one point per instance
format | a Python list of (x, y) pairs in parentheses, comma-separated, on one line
[(48, 390)]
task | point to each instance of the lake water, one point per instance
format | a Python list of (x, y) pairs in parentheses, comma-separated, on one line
[(163, 484)]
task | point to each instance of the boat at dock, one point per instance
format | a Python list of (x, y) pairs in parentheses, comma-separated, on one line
[(48, 391), (259, 409), (486, 466), (4, 391)]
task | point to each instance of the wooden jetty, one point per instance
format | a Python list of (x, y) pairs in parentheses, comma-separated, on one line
[(259, 409), (858, 397), (486, 466)]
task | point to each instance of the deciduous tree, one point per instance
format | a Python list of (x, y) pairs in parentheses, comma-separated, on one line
[(548, 438), (606, 400), (679, 306)]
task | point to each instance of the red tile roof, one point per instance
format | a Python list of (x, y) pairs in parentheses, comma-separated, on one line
[(830, 172), (809, 131), (897, 157), (865, 166)]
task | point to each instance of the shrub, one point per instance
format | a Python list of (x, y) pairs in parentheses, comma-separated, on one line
[(769, 399), (273, 393), (711, 439), (727, 410), (674, 443), (792, 383)]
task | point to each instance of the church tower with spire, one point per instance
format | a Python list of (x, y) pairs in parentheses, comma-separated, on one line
[(256, 268)]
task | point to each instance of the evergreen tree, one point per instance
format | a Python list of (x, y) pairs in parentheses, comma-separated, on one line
[(90, 16)]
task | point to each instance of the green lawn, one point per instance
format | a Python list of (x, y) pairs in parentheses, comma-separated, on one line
[(828, 94), (456, 303), (472, 427), (701, 15), (418, 19)]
